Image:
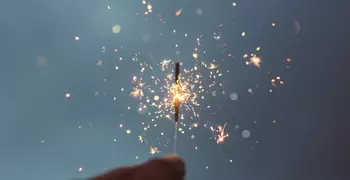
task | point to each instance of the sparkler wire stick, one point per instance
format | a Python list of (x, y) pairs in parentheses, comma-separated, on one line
[(175, 138)]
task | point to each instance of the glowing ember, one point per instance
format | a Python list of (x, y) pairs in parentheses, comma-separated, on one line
[(255, 61), (178, 12), (154, 150)]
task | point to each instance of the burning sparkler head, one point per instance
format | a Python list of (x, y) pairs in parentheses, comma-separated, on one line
[(177, 94)]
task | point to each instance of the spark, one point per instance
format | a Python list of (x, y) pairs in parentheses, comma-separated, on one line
[(255, 60), (148, 7), (182, 91), (195, 56), (212, 66), (165, 64), (140, 138), (276, 80), (99, 62), (220, 137), (137, 91), (178, 12), (154, 150), (159, 92)]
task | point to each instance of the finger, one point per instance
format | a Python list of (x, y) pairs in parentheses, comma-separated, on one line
[(172, 157), (177, 162)]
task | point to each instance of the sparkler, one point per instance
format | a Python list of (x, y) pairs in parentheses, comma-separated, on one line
[(176, 101), (176, 98), (200, 79)]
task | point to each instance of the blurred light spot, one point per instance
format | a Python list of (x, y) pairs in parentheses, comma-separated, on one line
[(146, 37), (116, 28), (245, 133), (99, 62), (41, 60), (199, 11), (233, 96), (250, 90), (156, 98), (296, 26)]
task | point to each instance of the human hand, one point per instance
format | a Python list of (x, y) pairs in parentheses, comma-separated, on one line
[(169, 167)]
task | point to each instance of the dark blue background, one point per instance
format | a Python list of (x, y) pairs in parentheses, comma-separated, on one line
[(308, 141)]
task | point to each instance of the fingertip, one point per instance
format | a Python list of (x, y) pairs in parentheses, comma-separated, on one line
[(172, 157), (177, 162)]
